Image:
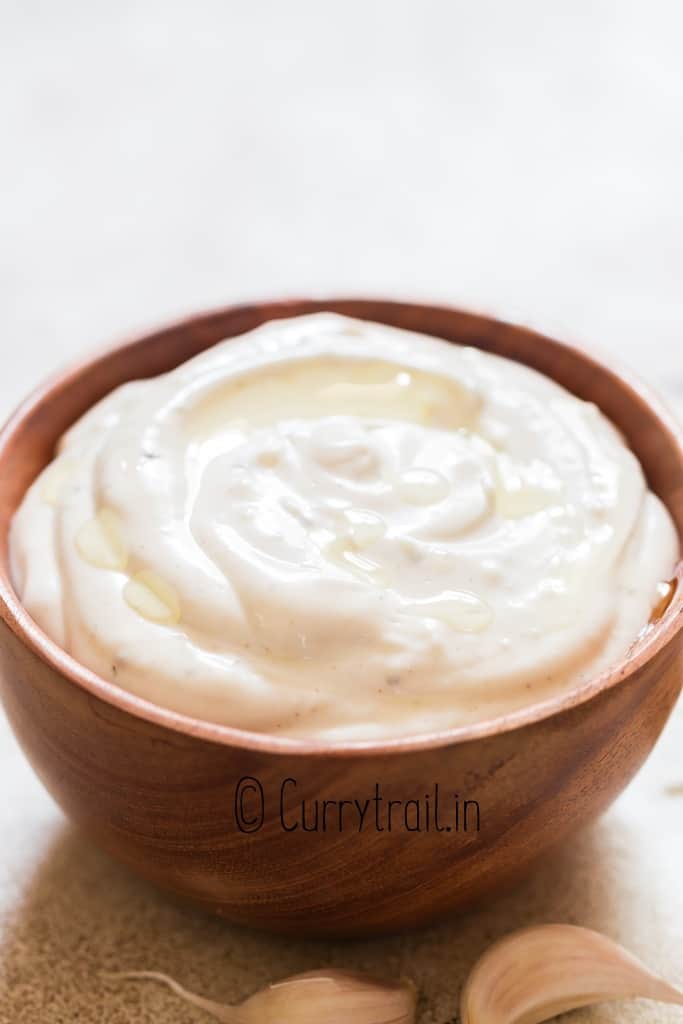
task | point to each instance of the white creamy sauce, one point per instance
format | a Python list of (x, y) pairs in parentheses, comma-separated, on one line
[(336, 529)]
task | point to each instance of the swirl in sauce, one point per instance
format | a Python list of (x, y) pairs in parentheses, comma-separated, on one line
[(340, 530)]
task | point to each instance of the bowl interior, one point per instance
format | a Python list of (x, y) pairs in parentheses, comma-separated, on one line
[(28, 440)]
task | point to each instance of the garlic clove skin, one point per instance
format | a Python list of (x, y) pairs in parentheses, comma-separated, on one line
[(537, 973), (219, 1011), (332, 996)]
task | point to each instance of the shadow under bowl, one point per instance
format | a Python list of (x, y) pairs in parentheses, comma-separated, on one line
[(217, 815)]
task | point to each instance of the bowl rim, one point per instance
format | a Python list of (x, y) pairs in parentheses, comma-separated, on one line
[(18, 620)]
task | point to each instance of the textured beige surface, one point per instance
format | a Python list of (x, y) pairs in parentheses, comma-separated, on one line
[(158, 157)]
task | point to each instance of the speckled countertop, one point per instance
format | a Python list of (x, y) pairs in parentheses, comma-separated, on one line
[(161, 157)]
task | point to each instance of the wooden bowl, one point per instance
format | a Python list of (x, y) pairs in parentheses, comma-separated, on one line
[(166, 794)]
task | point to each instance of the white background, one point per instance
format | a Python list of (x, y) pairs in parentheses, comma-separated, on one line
[(158, 157)]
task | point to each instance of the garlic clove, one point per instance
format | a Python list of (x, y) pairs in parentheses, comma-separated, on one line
[(537, 973), (333, 996)]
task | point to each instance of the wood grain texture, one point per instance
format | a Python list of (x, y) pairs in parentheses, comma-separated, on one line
[(157, 789)]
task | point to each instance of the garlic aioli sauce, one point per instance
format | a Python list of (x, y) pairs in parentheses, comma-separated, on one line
[(336, 529)]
